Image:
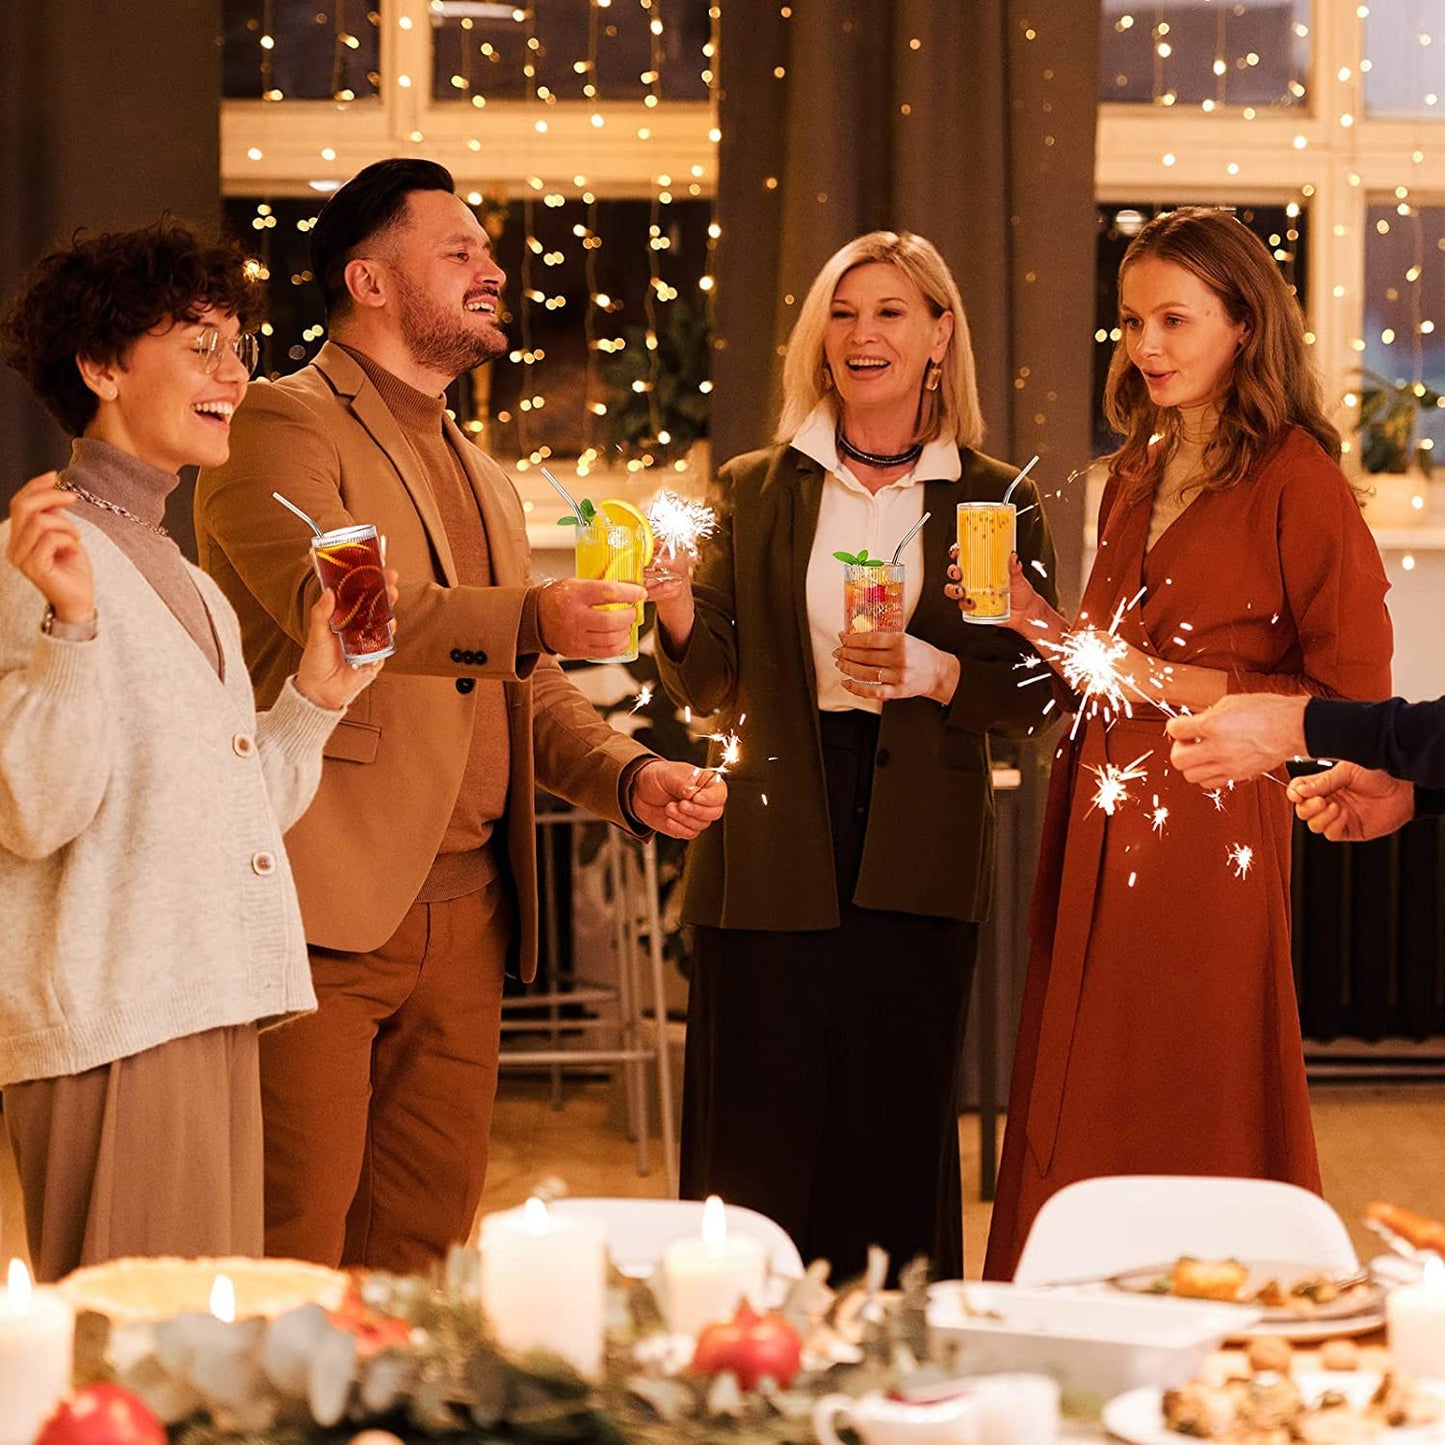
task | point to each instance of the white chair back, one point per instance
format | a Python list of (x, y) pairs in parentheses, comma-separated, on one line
[(638, 1230), (1100, 1227)]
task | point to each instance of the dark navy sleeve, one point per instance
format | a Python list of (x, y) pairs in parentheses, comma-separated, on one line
[(1404, 739)]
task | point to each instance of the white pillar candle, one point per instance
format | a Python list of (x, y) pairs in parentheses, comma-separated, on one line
[(706, 1278), (1416, 1316), (37, 1355), (544, 1283)]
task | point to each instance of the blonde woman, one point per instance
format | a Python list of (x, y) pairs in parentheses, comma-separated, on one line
[(836, 907), (1160, 1033)]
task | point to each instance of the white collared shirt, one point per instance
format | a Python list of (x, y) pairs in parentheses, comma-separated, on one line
[(851, 518)]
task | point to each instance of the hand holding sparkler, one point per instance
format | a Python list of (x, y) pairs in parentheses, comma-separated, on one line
[(678, 799), (1241, 736), (1350, 804)]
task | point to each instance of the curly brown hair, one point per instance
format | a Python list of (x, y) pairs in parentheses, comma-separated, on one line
[(1273, 383), (102, 293)]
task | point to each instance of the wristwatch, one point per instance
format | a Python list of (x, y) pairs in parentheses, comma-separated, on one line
[(84, 631)]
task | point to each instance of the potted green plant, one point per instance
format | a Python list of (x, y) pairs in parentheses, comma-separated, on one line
[(1396, 459), (1389, 417)]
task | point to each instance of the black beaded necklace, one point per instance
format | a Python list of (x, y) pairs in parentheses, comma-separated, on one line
[(878, 459)]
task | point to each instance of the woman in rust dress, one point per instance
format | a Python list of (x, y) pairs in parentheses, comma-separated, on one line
[(1159, 1032)]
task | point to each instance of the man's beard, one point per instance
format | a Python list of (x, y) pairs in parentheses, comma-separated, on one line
[(439, 341)]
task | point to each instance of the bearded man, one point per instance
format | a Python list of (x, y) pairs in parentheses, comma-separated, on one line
[(416, 864)]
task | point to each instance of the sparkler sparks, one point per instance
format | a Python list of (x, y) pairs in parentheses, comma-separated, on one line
[(1089, 661), (1216, 796), (732, 751), (1113, 789), (1158, 817), (644, 696), (679, 525), (1240, 857)]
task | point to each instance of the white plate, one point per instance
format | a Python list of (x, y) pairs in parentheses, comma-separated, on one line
[(1137, 1416)]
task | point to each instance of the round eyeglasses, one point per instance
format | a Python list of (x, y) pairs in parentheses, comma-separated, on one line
[(210, 341)]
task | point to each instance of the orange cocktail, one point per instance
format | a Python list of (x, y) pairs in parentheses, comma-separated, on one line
[(986, 539)]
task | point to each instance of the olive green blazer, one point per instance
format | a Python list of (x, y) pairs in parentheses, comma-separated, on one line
[(768, 863)]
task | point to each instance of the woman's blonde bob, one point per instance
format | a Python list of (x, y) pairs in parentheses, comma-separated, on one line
[(950, 412), (1272, 384)]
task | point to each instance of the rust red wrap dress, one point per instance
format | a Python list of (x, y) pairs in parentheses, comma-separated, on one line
[(1159, 1032)]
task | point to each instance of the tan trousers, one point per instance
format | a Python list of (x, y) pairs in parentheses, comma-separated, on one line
[(378, 1106), (158, 1153)]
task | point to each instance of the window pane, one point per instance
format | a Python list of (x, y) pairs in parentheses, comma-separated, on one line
[(1286, 235), (482, 50), (1405, 313), (1219, 52), (1405, 52), (324, 50), (557, 270)]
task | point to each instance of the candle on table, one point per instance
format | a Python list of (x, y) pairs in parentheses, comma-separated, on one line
[(1416, 1316), (544, 1283), (706, 1278), (37, 1355)]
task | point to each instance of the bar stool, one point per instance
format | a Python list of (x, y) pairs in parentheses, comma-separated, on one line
[(575, 1012)]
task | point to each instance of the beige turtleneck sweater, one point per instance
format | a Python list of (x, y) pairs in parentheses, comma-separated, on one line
[(464, 860), (117, 476)]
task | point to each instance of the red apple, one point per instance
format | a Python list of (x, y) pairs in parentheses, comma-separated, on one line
[(751, 1346), (102, 1415)]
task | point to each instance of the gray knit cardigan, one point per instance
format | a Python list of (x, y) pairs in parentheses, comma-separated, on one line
[(144, 889)]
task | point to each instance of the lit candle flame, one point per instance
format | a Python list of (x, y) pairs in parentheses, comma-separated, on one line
[(679, 525), (535, 1216), (714, 1225), (223, 1299), (18, 1280), (1241, 858)]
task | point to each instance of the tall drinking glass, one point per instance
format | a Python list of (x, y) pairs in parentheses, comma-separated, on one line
[(987, 534), (873, 597), (607, 551), (349, 561)]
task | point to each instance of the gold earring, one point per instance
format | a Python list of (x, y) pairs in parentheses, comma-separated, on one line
[(933, 376)]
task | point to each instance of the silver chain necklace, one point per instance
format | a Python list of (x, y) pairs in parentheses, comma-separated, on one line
[(68, 486)]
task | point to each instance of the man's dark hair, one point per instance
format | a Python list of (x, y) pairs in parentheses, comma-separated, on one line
[(102, 293), (369, 202)]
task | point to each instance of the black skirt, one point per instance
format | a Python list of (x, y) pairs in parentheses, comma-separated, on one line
[(822, 1067)]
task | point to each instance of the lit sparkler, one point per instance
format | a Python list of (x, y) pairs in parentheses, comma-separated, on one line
[(679, 525), (1241, 857), (732, 751), (1113, 789), (1216, 796), (1158, 817), (644, 696), (1089, 661)]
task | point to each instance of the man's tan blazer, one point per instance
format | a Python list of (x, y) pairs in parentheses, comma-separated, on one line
[(325, 439)]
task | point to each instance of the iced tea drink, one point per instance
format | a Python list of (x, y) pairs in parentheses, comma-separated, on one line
[(986, 538), (607, 551), (349, 560), (873, 597)]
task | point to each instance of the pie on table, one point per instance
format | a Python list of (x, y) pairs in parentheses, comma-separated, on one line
[(134, 1290)]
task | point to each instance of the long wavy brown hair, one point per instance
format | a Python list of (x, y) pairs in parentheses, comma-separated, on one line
[(1272, 385)]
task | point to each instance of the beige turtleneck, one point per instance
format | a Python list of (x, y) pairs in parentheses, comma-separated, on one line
[(464, 862), (1183, 477), (118, 477)]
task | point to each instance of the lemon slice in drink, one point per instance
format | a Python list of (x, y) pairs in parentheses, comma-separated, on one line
[(624, 514)]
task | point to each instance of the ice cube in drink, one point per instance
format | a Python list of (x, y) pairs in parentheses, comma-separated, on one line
[(349, 561), (610, 552), (986, 538), (873, 597)]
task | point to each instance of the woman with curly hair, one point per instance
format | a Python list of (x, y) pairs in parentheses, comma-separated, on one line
[(151, 925), (1159, 1032)]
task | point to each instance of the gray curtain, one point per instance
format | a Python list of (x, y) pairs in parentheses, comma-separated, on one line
[(109, 115), (970, 122), (981, 138)]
